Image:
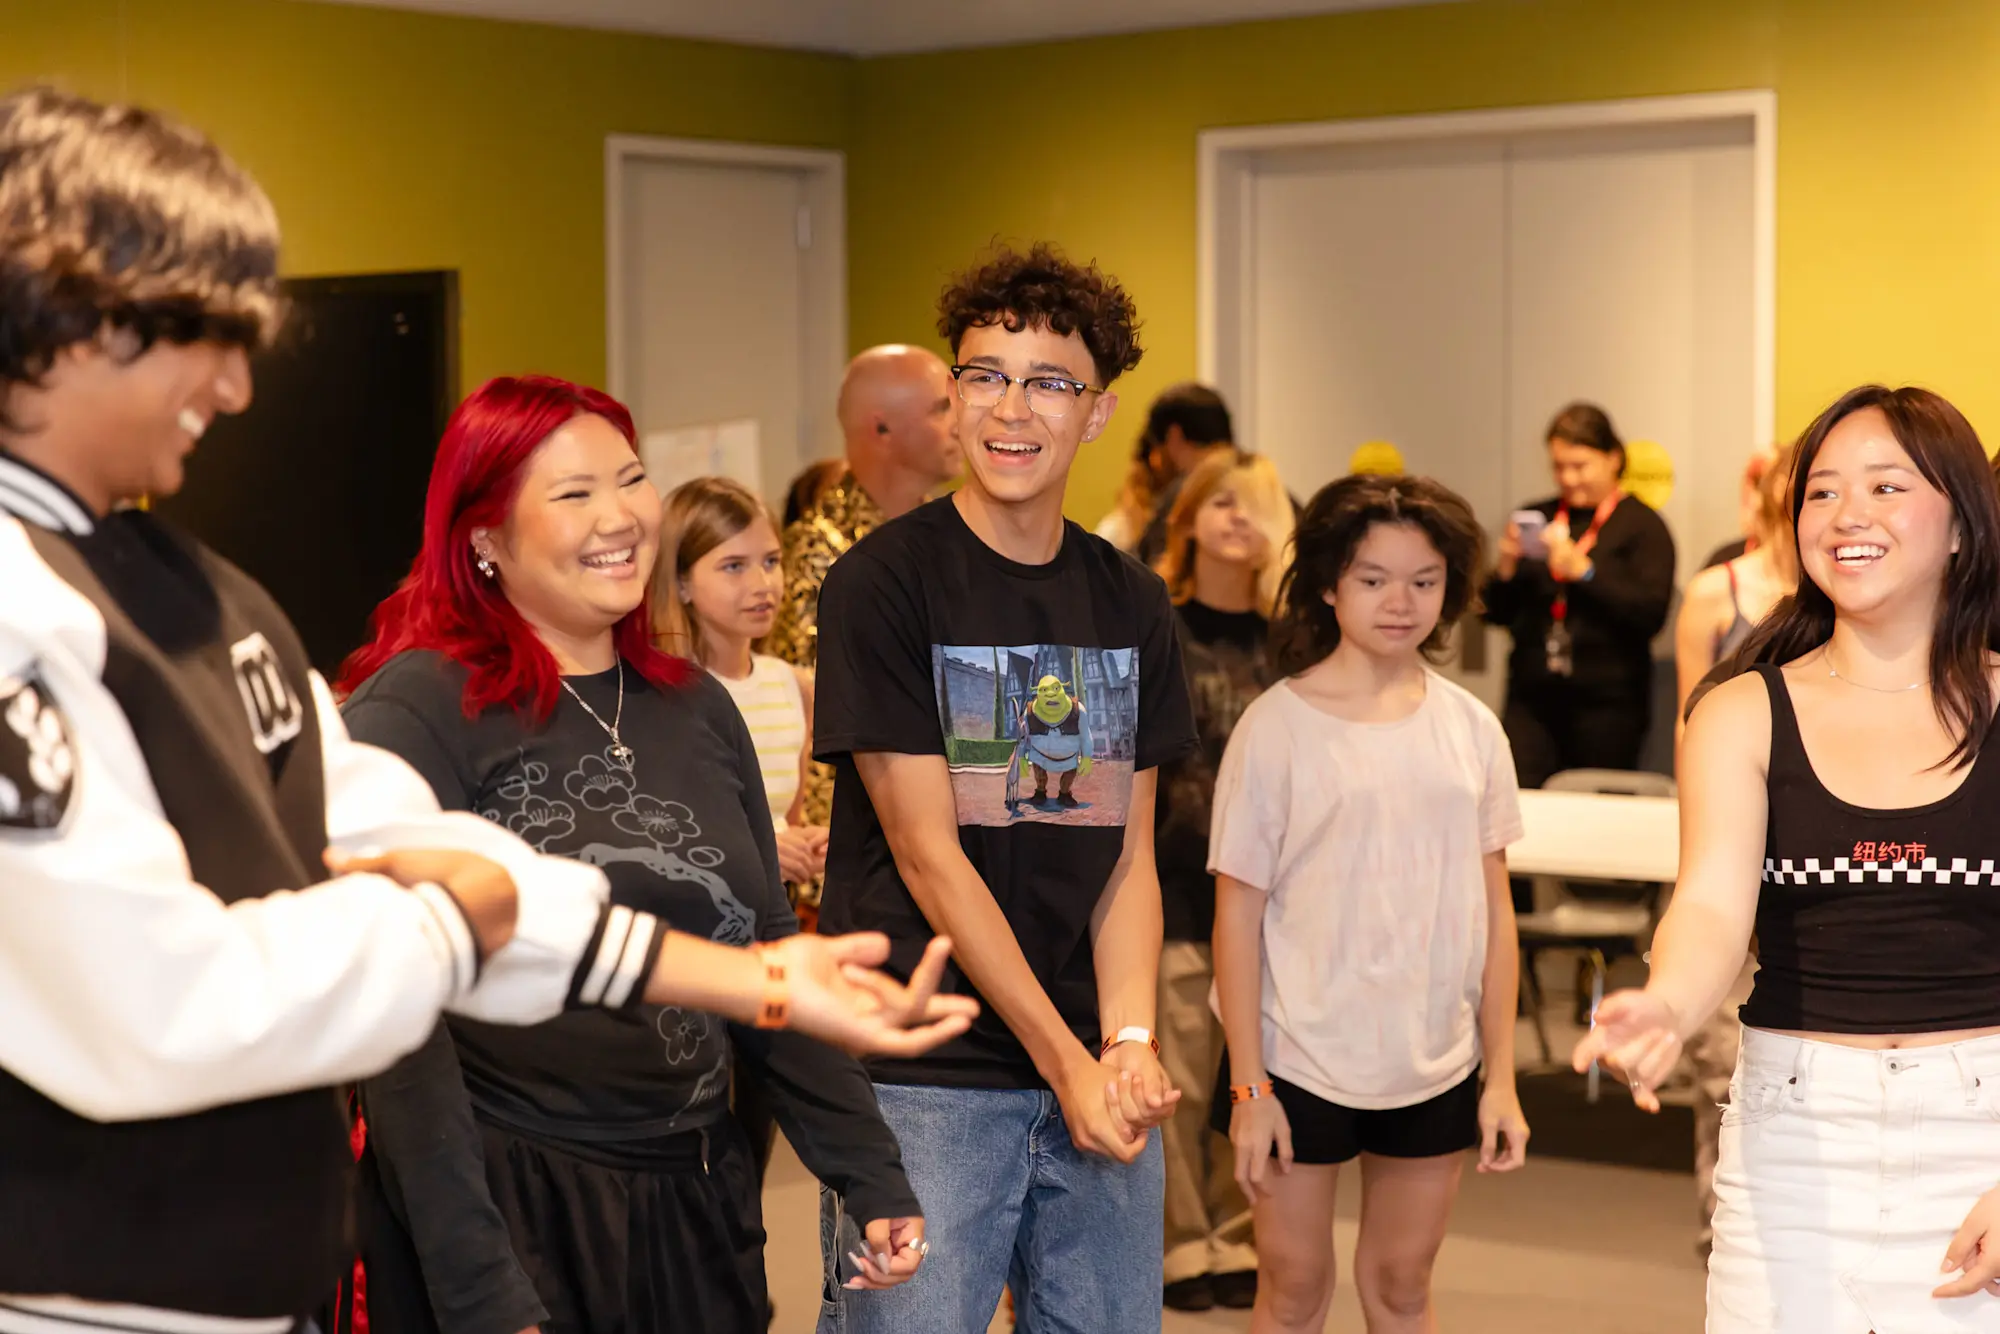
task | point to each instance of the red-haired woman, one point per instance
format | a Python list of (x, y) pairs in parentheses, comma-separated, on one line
[(585, 1175)]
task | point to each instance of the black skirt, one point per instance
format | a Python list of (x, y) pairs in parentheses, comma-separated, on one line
[(662, 1236)]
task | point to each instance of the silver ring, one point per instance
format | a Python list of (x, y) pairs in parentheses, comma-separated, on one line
[(922, 1248)]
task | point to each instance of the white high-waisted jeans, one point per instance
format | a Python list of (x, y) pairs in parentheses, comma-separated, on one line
[(1842, 1175)]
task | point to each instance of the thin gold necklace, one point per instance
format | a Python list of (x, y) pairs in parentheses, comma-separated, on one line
[(1834, 672)]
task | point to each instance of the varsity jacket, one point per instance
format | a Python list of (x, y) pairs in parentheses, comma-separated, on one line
[(174, 1013)]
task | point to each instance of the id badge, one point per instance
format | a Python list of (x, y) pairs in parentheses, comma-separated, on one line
[(1561, 662)]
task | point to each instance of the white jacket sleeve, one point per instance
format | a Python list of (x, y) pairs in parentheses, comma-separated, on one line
[(569, 947), (130, 991)]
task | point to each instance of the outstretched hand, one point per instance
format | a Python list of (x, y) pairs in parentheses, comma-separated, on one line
[(1636, 1036), (839, 996)]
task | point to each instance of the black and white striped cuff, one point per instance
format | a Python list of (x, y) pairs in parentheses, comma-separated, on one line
[(455, 926), (618, 960)]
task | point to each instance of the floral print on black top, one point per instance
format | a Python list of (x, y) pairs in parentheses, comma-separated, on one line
[(1227, 666)]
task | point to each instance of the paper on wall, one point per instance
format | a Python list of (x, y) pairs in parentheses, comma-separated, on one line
[(715, 449)]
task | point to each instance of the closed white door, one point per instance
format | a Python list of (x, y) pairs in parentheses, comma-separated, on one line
[(1357, 343), (1448, 297), (721, 279)]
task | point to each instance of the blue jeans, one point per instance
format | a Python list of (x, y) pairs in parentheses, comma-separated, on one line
[(1009, 1201)]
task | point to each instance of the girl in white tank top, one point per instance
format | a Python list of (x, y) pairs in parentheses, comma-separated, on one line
[(720, 579)]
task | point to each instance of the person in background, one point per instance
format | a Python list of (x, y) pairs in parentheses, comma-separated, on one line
[(1366, 963), (897, 413), (897, 418), (1184, 424), (1836, 801), (1584, 599), (714, 596), (1227, 540), (1722, 605), (585, 1174), (1725, 602), (802, 497), (1749, 505)]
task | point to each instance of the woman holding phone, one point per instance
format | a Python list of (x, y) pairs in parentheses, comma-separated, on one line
[(1583, 579)]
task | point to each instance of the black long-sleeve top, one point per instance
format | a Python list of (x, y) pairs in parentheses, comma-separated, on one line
[(685, 834), (1613, 615)]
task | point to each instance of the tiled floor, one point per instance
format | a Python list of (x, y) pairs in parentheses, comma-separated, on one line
[(1557, 1246)]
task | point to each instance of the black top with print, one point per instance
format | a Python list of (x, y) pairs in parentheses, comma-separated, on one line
[(932, 643), (1228, 666), (1874, 921), (684, 834)]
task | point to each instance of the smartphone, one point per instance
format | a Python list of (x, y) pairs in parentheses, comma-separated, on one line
[(1530, 524)]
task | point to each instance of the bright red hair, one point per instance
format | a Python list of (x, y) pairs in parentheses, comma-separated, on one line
[(445, 604)]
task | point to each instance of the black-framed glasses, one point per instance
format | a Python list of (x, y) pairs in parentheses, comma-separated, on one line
[(1048, 395)]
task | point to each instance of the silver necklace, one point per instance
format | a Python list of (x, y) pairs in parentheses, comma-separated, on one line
[(619, 750), (1834, 672)]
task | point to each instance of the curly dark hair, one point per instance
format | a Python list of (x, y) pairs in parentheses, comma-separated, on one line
[(1041, 287), (115, 217), (1331, 531)]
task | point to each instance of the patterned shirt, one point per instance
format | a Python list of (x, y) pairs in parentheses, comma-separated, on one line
[(843, 515)]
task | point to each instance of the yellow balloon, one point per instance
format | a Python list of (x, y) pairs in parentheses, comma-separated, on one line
[(1378, 457), (1649, 472)]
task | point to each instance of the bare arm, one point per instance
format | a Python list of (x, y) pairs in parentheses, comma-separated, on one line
[(796, 816), (1699, 947), (912, 795), (1500, 982), (1125, 929), (1239, 976)]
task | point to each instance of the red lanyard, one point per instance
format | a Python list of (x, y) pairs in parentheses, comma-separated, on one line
[(1559, 610)]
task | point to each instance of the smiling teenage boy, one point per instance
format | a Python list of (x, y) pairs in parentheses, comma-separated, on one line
[(945, 636)]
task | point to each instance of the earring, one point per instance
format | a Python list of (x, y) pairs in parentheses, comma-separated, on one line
[(485, 564)]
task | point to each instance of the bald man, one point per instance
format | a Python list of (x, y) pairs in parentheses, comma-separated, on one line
[(897, 410)]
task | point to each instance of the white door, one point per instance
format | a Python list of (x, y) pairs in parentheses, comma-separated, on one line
[(721, 306), (1357, 343), (1449, 296)]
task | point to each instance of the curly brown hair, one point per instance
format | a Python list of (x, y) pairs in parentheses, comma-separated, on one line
[(1042, 287), (1330, 532), (115, 217)]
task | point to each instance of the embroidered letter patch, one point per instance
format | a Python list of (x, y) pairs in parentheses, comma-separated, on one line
[(37, 760)]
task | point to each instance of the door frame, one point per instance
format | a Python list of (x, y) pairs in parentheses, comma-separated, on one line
[(823, 326), (1226, 351)]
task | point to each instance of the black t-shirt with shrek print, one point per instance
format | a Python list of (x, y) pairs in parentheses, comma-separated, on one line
[(1046, 688)]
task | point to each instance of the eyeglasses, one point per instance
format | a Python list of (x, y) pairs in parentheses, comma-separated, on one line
[(1048, 395)]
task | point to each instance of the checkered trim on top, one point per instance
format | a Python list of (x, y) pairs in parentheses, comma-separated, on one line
[(1929, 871)]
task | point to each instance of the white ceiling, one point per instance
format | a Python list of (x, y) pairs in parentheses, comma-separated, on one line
[(884, 27)]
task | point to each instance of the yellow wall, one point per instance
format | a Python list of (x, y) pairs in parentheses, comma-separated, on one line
[(393, 140), (1888, 161), (408, 141)]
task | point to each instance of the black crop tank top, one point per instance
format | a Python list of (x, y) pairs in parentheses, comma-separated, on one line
[(1875, 921)]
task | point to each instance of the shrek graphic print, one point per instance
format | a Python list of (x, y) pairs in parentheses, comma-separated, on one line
[(1038, 733)]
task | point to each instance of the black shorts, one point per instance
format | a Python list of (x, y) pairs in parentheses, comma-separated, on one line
[(1326, 1132)]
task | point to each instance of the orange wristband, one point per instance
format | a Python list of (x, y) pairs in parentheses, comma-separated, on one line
[(777, 1006), (1245, 1092)]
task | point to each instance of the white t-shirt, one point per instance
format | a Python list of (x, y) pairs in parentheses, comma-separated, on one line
[(1368, 839), (774, 706)]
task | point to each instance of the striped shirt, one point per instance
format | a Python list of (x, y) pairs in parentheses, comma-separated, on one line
[(775, 708)]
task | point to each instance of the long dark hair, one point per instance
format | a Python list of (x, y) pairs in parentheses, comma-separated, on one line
[(1946, 450), (1332, 529)]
